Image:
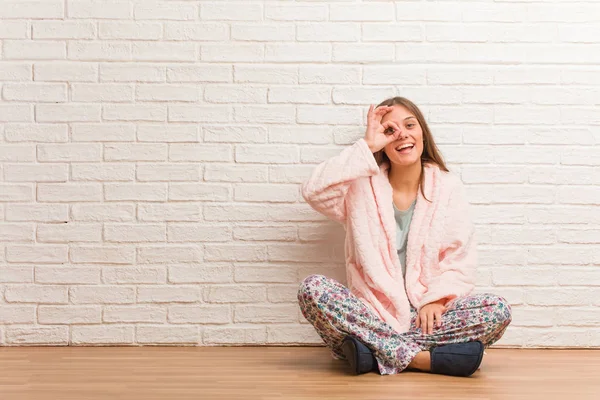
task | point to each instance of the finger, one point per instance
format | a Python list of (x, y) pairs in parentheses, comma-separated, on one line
[(438, 319), (418, 321), (424, 323), (430, 323)]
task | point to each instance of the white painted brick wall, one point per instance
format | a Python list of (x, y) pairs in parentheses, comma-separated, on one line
[(151, 154)]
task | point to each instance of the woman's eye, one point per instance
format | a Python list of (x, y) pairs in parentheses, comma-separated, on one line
[(389, 130), (410, 125)]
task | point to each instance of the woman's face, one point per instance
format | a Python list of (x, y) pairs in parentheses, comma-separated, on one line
[(410, 132)]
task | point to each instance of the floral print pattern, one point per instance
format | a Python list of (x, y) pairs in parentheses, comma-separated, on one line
[(335, 312)]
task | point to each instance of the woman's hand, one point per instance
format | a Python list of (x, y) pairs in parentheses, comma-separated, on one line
[(429, 313), (375, 135)]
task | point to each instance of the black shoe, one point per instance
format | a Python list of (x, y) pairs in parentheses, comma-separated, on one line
[(459, 359), (359, 356)]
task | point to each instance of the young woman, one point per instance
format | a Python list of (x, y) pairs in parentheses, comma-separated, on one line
[(410, 255)]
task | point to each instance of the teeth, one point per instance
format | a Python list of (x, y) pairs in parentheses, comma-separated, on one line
[(404, 146)]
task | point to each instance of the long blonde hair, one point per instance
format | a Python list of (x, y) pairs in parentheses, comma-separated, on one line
[(431, 153)]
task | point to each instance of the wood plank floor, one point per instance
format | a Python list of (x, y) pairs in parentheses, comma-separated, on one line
[(90, 373)]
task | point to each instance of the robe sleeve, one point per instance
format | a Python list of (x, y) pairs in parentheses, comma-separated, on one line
[(458, 254), (325, 190)]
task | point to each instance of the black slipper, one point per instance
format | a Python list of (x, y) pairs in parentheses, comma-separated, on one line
[(458, 359), (359, 356)]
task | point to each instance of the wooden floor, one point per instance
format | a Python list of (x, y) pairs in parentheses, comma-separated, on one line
[(205, 373)]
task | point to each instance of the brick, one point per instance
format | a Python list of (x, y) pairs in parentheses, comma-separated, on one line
[(63, 30), (34, 50), (282, 293), (129, 30), (169, 212), (17, 314), (47, 294), (15, 71), (266, 193), (16, 274), (199, 152), (240, 52), (43, 254), (266, 154), (32, 9), (161, 172), (100, 10), (72, 232), (167, 334), (122, 233), (330, 74), (205, 314), (273, 212), (14, 30), (52, 133), (17, 153), (135, 152), (296, 12), (127, 275), (155, 92), (127, 72), (37, 212), (197, 113), (328, 115), (100, 294), (280, 74), (67, 112), (91, 92), (68, 192), (102, 254), (35, 92), (134, 112), (36, 173), (16, 113), (69, 314), (135, 191), (102, 334), (265, 233), (295, 52), (38, 335), (326, 32), (16, 192), (68, 152), (168, 294), (99, 51), (272, 313), (168, 133), (200, 274), (289, 173), (164, 51), (293, 334), (234, 94), (102, 212), (196, 31), (136, 314), (225, 12), (169, 254), (236, 294), (346, 52), (199, 191), (194, 232), (199, 73), (65, 71), (103, 132), (235, 252), (236, 173), (234, 335)]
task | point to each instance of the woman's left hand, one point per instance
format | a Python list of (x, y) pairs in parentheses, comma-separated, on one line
[(429, 314)]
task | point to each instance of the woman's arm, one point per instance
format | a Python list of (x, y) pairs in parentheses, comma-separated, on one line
[(326, 188), (458, 258)]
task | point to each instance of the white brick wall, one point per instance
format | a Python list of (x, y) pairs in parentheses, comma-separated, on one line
[(151, 153)]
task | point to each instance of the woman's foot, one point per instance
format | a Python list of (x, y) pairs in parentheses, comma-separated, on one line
[(458, 359), (359, 356)]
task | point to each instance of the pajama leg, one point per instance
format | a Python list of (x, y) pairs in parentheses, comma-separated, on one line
[(335, 312), (482, 317)]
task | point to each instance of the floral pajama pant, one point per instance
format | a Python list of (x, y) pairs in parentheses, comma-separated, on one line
[(335, 312)]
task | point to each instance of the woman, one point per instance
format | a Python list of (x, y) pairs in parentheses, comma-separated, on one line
[(410, 255)]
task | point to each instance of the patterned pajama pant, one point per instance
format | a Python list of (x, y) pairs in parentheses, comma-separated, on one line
[(335, 312)]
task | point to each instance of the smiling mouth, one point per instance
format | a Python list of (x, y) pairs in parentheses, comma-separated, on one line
[(405, 150)]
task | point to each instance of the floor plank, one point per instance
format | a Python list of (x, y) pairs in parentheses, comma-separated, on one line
[(224, 373)]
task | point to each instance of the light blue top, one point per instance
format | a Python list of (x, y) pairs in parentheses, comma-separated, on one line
[(403, 218)]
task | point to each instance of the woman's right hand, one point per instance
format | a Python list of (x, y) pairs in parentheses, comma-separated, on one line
[(375, 135)]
